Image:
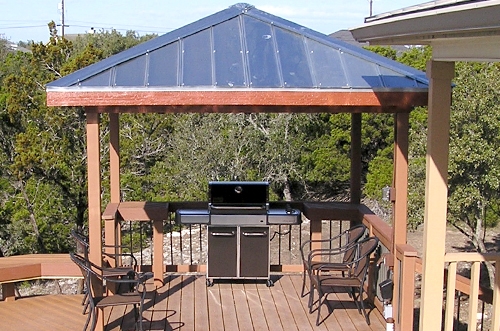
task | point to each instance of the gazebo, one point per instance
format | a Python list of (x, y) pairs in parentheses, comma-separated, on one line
[(238, 60), (457, 31)]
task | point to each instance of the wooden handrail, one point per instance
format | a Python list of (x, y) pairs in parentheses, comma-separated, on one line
[(34, 266)]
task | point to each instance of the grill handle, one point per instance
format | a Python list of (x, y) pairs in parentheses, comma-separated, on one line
[(223, 234), (255, 234), (236, 207)]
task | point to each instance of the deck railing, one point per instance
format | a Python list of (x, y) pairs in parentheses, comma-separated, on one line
[(458, 284), (184, 247), (183, 250)]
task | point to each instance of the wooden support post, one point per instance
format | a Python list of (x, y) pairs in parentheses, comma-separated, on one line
[(436, 194), (400, 178), (112, 230), (356, 158), (114, 157), (495, 321), (399, 204), (94, 197)]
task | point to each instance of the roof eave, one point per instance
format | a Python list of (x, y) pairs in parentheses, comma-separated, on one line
[(427, 25)]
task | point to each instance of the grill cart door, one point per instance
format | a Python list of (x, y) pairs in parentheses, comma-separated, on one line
[(222, 252), (254, 252)]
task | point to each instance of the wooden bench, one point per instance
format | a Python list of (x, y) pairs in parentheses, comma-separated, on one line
[(34, 266)]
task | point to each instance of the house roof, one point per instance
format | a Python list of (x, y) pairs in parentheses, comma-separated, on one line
[(239, 49), (456, 29)]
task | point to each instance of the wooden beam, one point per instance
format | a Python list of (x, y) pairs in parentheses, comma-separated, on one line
[(436, 194), (248, 97), (247, 109)]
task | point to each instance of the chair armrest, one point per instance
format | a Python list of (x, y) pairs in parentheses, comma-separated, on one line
[(323, 252), (308, 242), (132, 278), (321, 240), (329, 251), (115, 255)]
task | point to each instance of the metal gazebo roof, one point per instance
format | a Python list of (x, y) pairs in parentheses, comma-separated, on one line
[(240, 49)]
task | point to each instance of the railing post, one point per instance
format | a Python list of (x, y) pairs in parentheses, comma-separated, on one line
[(404, 287), (315, 232), (158, 267), (111, 220)]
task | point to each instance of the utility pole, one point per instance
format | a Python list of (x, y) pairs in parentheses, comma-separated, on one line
[(62, 25), (371, 7)]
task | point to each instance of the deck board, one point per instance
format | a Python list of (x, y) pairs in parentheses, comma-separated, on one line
[(286, 316), (259, 321), (201, 317), (228, 308), (241, 305), (214, 309), (184, 302), (270, 309)]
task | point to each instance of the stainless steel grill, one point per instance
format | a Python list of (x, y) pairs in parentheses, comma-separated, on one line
[(238, 218), (239, 204)]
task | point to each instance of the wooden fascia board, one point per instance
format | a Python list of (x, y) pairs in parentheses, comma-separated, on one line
[(246, 109), (215, 101)]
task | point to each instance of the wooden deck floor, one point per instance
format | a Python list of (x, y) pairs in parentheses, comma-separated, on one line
[(185, 303)]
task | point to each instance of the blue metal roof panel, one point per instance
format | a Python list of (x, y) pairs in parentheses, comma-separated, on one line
[(243, 47)]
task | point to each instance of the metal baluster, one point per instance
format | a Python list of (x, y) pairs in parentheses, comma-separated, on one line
[(279, 245), (170, 229), (289, 238), (190, 244), (140, 242), (180, 245), (130, 235), (201, 244)]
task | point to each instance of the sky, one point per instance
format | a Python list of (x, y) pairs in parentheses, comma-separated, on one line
[(26, 20)]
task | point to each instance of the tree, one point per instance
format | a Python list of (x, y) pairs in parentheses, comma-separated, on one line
[(474, 172)]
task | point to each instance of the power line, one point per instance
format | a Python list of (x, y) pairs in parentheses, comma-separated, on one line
[(22, 27), (96, 27), (161, 28)]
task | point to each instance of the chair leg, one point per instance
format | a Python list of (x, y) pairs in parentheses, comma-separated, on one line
[(352, 294), (94, 319), (141, 308), (362, 304), (318, 322), (324, 297), (88, 320), (311, 299), (302, 292), (85, 303)]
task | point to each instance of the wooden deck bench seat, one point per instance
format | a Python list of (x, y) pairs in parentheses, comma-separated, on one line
[(34, 266)]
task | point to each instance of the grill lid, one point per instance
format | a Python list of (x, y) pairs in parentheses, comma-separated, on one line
[(233, 194)]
